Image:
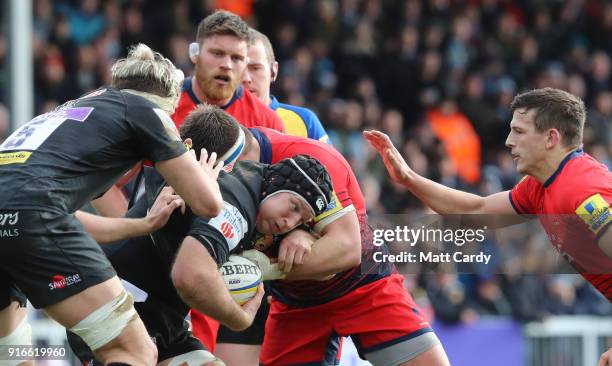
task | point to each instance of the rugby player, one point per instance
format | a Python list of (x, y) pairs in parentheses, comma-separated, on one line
[(568, 189), (59, 161)]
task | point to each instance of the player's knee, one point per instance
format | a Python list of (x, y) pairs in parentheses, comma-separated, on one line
[(196, 358), (21, 335), (107, 322)]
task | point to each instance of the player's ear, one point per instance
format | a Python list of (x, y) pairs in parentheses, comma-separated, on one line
[(273, 71), (553, 138), (194, 51)]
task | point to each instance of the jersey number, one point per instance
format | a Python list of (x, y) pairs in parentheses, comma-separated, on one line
[(31, 135)]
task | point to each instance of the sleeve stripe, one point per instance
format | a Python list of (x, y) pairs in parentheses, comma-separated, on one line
[(514, 206)]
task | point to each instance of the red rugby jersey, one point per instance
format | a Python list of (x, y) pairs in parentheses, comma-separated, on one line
[(243, 106), (573, 206)]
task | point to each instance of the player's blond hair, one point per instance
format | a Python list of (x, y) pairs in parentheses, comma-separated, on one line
[(147, 71)]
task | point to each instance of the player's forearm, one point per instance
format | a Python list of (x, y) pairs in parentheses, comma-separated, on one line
[(112, 204), (442, 199), (209, 295), (110, 229), (200, 191), (338, 249), (327, 258), (199, 283)]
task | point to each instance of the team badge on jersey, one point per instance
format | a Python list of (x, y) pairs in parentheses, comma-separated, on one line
[(595, 212)]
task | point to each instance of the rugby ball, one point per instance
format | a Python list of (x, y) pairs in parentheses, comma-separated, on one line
[(241, 277)]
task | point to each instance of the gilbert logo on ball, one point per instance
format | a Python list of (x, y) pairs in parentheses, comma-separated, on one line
[(241, 277)]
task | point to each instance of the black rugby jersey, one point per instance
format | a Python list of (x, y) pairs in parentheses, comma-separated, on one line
[(229, 232), (62, 159)]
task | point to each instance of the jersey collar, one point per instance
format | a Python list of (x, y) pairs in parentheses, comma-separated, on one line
[(274, 103), (188, 86), (570, 156), (265, 147)]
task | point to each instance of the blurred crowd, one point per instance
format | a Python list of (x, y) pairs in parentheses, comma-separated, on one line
[(436, 75)]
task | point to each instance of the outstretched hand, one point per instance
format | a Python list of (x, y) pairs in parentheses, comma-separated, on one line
[(207, 163), (394, 162), (606, 358)]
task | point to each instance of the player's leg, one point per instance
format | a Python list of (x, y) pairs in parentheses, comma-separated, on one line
[(104, 316), (243, 348), (63, 270), (387, 328), (296, 336), (14, 327)]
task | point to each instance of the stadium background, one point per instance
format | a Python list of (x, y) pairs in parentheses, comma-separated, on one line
[(401, 67)]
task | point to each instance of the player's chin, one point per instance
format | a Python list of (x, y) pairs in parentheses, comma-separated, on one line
[(262, 227)]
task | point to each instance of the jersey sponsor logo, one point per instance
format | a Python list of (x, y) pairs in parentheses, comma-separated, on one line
[(227, 230), (15, 157), (231, 224), (595, 212), (34, 133), (10, 218), (59, 282)]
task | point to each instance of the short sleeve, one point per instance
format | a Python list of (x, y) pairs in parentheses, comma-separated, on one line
[(316, 131), (522, 196), (222, 233), (155, 131), (595, 212), (336, 208)]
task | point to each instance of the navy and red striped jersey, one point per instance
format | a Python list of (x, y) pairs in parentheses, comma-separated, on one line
[(275, 146), (243, 106), (573, 206)]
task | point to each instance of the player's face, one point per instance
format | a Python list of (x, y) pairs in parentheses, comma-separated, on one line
[(526, 144), (281, 213), (220, 65), (258, 74)]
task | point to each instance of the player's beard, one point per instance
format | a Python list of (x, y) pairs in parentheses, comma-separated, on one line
[(214, 91)]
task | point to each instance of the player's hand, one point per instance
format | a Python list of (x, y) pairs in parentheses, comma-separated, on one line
[(250, 307), (606, 358), (394, 162), (294, 248), (165, 203), (208, 163), (269, 271)]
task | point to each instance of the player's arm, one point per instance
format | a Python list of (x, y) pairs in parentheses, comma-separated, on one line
[(195, 182), (140, 222), (160, 141), (441, 199), (605, 241), (199, 283), (111, 204), (338, 249)]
